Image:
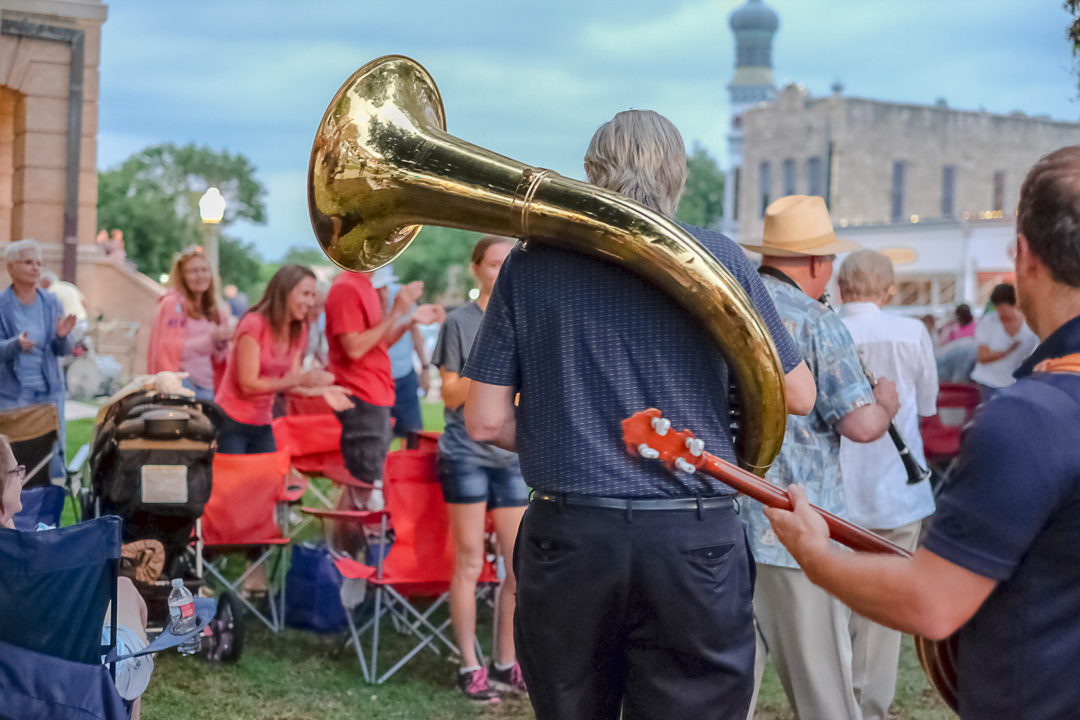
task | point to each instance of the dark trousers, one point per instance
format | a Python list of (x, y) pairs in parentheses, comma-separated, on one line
[(648, 613)]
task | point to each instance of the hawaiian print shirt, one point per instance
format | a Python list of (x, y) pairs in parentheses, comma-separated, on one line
[(810, 454)]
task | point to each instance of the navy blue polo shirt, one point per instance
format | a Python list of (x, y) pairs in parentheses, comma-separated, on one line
[(1011, 512), (587, 344)]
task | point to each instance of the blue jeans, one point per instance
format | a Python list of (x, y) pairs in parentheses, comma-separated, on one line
[(237, 438), (406, 409), (205, 394), (465, 482)]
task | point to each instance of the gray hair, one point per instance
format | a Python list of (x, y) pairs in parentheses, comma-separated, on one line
[(639, 154), (865, 274), (15, 249)]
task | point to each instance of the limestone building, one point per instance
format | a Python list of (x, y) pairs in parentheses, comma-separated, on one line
[(49, 56), (934, 187)]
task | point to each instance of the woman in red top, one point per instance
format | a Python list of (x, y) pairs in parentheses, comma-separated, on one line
[(190, 332), (265, 360)]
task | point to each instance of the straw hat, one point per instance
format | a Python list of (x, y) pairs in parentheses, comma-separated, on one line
[(799, 225)]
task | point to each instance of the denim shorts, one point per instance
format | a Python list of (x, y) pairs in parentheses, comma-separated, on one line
[(466, 482)]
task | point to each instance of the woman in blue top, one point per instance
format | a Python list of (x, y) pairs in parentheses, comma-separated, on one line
[(476, 477), (34, 334)]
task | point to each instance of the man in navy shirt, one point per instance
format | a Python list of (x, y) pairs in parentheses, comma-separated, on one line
[(634, 584), (1001, 561)]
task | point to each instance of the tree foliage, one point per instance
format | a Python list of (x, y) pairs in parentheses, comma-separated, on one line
[(440, 257), (702, 202), (1073, 32), (153, 196)]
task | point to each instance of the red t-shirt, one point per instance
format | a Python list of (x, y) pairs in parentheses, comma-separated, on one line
[(274, 361), (353, 305)]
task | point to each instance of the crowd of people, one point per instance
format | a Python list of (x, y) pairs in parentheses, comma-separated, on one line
[(632, 591)]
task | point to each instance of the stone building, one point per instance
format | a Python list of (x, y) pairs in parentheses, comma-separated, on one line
[(934, 187), (896, 175), (49, 56)]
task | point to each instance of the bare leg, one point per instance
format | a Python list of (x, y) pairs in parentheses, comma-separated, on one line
[(467, 528), (507, 521), (131, 611)]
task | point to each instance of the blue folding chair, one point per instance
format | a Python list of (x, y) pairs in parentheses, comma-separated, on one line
[(55, 586)]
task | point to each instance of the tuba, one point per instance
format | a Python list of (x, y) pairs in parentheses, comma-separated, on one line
[(382, 166)]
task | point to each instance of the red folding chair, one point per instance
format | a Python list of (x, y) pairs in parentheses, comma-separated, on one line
[(941, 433), (419, 564), (245, 513)]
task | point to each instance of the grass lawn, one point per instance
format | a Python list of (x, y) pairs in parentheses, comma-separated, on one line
[(303, 676)]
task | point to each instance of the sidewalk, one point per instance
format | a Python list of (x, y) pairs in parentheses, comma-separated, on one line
[(75, 410)]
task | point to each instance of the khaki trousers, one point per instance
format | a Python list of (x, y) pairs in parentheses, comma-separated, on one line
[(875, 648), (807, 633)]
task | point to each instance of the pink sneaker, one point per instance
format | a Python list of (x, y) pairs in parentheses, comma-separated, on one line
[(510, 680), (475, 686)]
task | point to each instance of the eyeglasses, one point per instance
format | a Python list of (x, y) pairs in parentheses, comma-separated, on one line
[(19, 473)]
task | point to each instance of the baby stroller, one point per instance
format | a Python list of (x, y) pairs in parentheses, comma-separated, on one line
[(151, 464)]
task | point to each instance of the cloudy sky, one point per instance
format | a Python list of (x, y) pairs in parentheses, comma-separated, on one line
[(533, 80)]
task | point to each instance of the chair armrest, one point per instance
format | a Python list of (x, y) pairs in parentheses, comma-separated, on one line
[(205, 609)]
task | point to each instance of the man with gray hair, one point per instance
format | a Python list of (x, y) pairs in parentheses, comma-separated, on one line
[(876, 489), (634, 585)]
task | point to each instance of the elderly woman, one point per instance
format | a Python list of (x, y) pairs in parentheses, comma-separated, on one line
[(190, 332), (33, 336)]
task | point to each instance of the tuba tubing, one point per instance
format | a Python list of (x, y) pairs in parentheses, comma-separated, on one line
[(382, 165)]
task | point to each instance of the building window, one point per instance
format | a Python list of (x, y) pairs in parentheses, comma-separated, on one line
[(815, 176), (896, 213), (737, 172), (766, 186), (789, 177), (922, 290), (948, 190), (999, 191)]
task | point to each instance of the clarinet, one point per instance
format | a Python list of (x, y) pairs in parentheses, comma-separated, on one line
[(916, 473)]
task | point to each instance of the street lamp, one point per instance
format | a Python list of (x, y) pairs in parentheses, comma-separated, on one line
[(211, 210)]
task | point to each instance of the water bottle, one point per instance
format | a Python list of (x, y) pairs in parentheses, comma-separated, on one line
[(182, 618)]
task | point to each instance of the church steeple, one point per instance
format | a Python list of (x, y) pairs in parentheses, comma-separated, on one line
[(754, 25)]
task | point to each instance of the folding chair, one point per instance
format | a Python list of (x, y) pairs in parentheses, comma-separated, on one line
[(420, 563), (244, 514), (33, 431), (313, 441), (55, 586), (942, 433)]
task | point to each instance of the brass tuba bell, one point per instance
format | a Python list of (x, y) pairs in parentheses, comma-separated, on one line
[(382, 165)]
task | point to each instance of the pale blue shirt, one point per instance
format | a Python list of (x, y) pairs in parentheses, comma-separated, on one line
[(810, 454)]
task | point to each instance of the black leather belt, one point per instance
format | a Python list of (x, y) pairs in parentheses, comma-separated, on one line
[(632, 504)]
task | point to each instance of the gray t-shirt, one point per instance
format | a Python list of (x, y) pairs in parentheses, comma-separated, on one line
[(452, 349)]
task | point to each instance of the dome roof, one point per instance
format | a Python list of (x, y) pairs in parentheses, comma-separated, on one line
[(754, 15)]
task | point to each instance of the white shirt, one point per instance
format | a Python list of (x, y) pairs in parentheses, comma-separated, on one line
[(875, 482), (991, 333)]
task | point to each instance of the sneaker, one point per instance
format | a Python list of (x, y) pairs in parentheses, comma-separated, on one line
[(509, 680), (475, 686)]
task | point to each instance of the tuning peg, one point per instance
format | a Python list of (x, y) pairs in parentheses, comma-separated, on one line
[(661, 425), (647, 452), (685, 466), (695, 446)]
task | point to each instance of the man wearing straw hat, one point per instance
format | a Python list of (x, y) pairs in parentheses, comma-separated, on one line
[(802, 627)]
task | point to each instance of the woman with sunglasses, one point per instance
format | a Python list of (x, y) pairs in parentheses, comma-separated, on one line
[(34, 335), (190, 332)]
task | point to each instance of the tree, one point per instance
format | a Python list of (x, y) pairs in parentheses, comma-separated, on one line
[(440, 257), (305, 255), (153, 196), (702, 202), (1073, 33)]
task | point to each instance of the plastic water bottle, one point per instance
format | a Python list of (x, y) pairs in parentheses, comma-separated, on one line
[(182, 618)]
